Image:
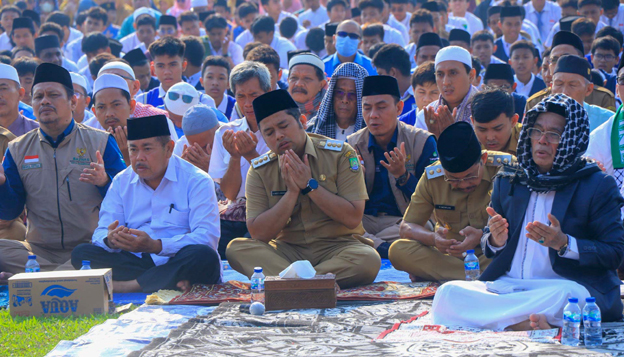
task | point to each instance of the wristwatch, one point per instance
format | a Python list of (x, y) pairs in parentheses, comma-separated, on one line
[(403, 178), (564, 248), (312, 185)]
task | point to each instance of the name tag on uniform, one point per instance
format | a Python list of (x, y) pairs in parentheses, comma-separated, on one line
[(445, 207), (278, 193)]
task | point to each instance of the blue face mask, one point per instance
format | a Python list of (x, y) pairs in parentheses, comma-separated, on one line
[(346, 47)]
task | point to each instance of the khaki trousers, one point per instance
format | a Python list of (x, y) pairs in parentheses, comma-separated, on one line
[(354, 263), (381, 229), (429, 264), (14, 255), (16, 230)]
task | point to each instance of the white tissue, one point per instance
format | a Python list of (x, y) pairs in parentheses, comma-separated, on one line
[(299, 269)]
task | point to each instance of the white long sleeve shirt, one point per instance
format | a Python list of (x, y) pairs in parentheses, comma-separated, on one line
[(181, 211)]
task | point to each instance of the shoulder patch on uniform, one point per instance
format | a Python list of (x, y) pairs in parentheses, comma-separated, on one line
[(263, 159), (333, 145), (434, 171), (497, 160)]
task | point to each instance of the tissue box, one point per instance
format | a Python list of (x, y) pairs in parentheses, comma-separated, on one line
[(285, 294)]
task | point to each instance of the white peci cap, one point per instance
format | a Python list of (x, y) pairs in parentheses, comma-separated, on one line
[(453, 53), (8, 72), (107, 80), (79, 80), (118, 65)]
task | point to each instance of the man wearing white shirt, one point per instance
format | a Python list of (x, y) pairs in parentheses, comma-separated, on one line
[(7, 15), (219, 42), (337, 12), (460, 9), (591, 9), (389, 20), (159, 225), (544, 14), (236, 144), (613, 14), (511, 24), (144, 35), (263, 31), (314, 16), (372, 12), (399, 12), (273, 8)]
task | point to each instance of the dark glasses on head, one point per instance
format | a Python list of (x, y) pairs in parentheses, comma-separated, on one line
[(353, 36), (185, 98)]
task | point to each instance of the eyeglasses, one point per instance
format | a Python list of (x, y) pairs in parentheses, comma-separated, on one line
[(185, 97), (167, 30), (465, 179), (351, 96), (604, 57), (620, 81), (551, 136), (353, 36), (504, 87)]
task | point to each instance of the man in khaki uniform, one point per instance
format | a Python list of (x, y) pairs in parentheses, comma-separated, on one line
[(457, 191), (495, 122), (305, 201), (60, 172), (395, 156), (567, 43)]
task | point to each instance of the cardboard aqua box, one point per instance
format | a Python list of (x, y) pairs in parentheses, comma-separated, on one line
[(61, 293)]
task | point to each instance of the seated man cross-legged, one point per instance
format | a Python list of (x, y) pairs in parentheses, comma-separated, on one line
[(456, 190), (159, 221), (305, 201), (555, 232)]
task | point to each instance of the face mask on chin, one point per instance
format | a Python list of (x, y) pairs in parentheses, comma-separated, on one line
[(346, 47)]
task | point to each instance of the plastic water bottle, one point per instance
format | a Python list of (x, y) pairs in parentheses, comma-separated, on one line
[(592, 323), (571, 323), (471, 266), (86, 265), (31, 265), (257, 285)]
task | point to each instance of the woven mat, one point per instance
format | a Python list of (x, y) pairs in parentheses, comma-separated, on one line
[(351, 329), (237, 291)]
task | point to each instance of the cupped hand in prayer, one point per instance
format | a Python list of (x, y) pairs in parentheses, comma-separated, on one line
[(298, 170), (438, 120), (499, 228), (441, 242), (547, 235), (472, 237), (396, 161), (96, 175)]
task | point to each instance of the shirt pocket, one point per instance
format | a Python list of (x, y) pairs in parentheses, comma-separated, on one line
[(177, 218), (449, 219)]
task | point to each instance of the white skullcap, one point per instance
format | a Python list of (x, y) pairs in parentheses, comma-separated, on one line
[(454, 53), (178, 106), (142, 11), (79, 80), (307, 58), (109, 81), (198, 3), (8, 72), (117, 65)]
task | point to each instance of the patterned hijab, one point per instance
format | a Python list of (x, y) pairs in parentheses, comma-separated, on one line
[(324, 123), (568, 165)]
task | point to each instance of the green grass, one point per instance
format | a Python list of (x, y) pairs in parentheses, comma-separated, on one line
[(31, 336)]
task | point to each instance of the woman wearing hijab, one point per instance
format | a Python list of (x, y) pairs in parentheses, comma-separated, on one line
[(340, 112), (555, 232)]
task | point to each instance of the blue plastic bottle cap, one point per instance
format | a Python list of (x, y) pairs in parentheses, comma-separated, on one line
[(470, 251), (86, 262), (32, 257), (573, 300), (258, 270), (590, 299)]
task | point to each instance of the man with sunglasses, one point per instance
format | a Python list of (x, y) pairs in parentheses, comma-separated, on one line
[(568, 43), (347, 40), (394, 157), (572, 77), (456, 191)]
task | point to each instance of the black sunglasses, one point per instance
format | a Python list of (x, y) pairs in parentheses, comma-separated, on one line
[(353, 36)]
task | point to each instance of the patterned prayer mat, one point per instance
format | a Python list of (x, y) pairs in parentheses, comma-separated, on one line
[(238, 291), (351, 329)]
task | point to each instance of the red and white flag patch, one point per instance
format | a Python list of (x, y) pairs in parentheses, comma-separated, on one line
[(32, 159)]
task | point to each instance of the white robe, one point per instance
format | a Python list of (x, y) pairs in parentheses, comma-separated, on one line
[(529, 287)]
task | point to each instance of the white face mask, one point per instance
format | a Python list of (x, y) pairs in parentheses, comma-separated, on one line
[(46, 7)]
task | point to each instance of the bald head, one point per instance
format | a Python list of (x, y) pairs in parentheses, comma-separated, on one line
[(350, 26)]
